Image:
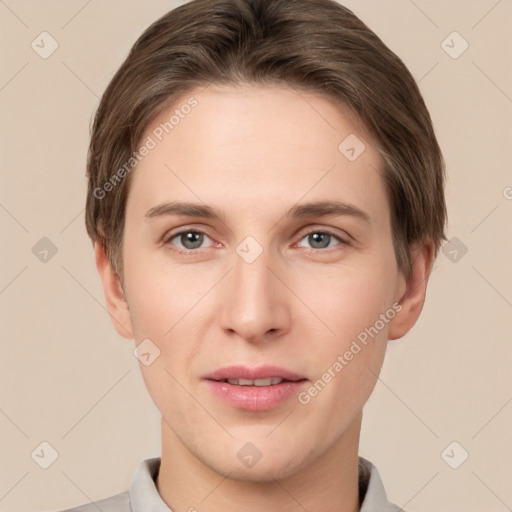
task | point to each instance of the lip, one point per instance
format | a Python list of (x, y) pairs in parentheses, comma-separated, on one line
[(260, 372), (254, 398)]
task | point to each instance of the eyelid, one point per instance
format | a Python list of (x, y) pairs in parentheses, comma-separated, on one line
[(182, 230), (346, 240), (323, 228)]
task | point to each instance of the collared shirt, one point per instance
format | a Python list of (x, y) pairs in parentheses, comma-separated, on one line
[(143, 495)]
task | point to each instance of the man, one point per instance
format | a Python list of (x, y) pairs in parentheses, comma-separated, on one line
[(266, 199)]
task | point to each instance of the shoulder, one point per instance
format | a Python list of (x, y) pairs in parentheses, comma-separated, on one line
[(371, 490), (142, 494), (117, 503)]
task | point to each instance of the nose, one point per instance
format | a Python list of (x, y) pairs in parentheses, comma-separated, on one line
[(255, 301)]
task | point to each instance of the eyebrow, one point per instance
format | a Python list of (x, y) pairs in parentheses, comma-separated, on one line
[(313, 209)]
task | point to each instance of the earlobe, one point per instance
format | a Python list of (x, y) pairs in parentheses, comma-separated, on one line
[(413, 298), (114, 296)]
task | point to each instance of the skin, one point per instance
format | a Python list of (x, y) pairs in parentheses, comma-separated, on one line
[(253, 153)]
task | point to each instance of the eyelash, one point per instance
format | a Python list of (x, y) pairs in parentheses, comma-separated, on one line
[(168, 239)]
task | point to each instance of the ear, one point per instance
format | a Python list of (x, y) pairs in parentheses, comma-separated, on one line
[(114, 296), (412, 291)]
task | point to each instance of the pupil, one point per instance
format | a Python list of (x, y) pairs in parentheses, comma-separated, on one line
[(317, 239), (192, 238)]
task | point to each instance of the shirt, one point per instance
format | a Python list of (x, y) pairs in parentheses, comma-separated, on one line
[(143, 495)]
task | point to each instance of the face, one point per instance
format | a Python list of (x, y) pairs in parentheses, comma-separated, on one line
[(253, 241)]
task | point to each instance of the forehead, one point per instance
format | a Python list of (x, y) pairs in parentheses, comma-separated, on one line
[(253, 147)]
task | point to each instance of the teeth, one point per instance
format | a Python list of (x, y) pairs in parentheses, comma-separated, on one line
[(256, 382)]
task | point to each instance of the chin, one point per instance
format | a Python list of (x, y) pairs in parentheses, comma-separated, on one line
[(261, 472), (269, 463)]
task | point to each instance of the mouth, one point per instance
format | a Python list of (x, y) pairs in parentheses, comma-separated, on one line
[(254, 389), (266, 375), (269, 381)]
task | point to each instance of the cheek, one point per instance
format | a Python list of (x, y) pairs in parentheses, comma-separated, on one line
[(160, 294), (166, 305), (349, 349), (164, 308), (347, 301), (350, 341)]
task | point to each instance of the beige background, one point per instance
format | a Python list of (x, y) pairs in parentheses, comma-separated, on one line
[(68, 379)]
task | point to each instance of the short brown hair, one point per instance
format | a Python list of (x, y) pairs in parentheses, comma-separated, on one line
[(316, 46)]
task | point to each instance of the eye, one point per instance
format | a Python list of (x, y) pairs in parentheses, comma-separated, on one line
[(190, 239), (321, 239)]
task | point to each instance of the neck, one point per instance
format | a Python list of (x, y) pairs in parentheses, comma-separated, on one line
[(329, 483)]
